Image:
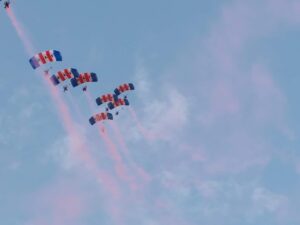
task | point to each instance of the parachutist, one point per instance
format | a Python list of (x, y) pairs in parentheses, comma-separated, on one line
[(6, 4), (84, 88), (46, 72), (65, 88)]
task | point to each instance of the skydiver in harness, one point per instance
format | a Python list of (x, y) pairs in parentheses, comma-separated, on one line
[(84, 88), (6, 4), (46, 72), (65, 88)]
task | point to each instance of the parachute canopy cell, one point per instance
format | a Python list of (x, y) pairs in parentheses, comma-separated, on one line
[(45, 57), (84, 78), (100, 117), (123, 88), (106, 98), (63, 75), (118, 103)]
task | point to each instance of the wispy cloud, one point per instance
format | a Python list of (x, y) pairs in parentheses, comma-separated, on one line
[(267, 202), (218, 109)]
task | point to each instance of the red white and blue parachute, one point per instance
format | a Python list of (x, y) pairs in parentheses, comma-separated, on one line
[(123, 88), (100, 117), (84, 78), (63, 75), (106, 98), (119, 102), (45, 57)]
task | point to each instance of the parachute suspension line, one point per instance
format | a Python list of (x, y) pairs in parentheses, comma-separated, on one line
[(120, 168), (78, 148)]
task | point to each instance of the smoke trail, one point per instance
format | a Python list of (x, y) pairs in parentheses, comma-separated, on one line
[(120, 168), (20, 31), (120, 139), (78, 111), (78, 144)]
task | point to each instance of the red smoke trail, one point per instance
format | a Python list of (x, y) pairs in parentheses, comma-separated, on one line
[(139, 170), (78, 144), (82, 118), (115, 155), (21, 33)]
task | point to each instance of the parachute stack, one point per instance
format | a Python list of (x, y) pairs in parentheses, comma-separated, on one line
[(111, 100)]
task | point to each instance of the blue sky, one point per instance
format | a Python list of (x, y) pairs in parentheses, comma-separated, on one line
[(216, 99)]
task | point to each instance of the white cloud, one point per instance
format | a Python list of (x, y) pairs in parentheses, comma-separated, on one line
[(267, 201), (67, 150), (168, 115), (61, 152), (165, 109)]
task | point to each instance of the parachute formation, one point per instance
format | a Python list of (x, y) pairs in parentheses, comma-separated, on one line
[(110, 100)]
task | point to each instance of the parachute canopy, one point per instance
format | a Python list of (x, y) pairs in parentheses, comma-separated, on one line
[(124, 87), (63, 75), (84, 78), (45, 57), (106, 98), (118, 103), (100, 117)]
